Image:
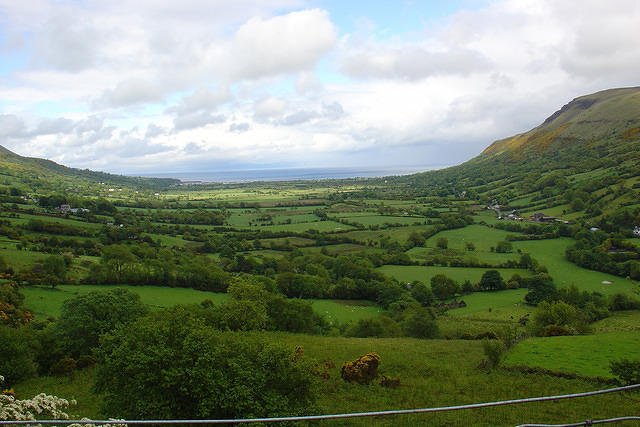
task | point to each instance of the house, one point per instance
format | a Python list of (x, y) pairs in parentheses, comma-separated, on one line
[(636, 231), (541, 217), (64, 208)]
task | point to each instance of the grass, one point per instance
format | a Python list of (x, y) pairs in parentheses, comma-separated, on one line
[(587, 355), (45, 302), (460, 274), (550, 253), (484, 238), (344, 311), (620, 321), (499, 305), (433, 373), (367, 220)]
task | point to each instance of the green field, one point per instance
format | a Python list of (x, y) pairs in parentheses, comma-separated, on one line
[(409, 273), (45, 302), (499, 305), (587, 355), (484, 238), (367, 220), (550, 253)]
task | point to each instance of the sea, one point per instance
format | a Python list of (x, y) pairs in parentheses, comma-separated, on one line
[(290, 174)]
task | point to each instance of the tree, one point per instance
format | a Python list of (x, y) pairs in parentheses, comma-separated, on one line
[(541, 288), (491, 281), (442, 243), (504, 247), (419, 322), (169, 365), (84, 318), (422, 293), (56, 268), (443, 287)]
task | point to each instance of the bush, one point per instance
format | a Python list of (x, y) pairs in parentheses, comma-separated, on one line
[(494, 350), (380, 327), (16, 355), (628, 371), (169, 365), (491, 281), (419, 322), (86, 317), (363, 370)]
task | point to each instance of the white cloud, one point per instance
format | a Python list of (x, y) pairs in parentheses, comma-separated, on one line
[(196, 120)]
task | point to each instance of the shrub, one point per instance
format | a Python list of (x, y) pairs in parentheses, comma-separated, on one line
[(363, 370), (494, 350), (491, 281), (168, 364), (442, 243), (628, 371), (380, 327), (419, 322), (85, 317)]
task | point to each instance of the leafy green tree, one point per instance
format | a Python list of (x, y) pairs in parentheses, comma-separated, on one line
[(84, 318), (422, 293), (443, 287), (491, 280), (504, 247), (419, 322), (168, 365), (442, 243), (16, 354), (56, 268), (541, 288)]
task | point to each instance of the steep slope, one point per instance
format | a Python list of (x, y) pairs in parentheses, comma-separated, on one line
[(16, 169)]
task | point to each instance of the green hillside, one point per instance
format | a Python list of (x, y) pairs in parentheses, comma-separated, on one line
[(42, 173)]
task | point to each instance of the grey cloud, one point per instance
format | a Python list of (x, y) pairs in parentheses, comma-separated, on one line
[(332, 111), (11, 126), (92, 123), (153, 131), (202, 99), (239, 127), (54, 126), (298, 117), (193, 148), (413, 63), (130, 92), (67, 43), (196, 120)]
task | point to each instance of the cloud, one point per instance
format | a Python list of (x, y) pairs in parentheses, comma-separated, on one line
[(53, 126), (282, 44), (67, 43), (130, 92), (239, 127), (298, 117), (202, 98), (11, 126), (269, 107), (154, 130), (196, 120), (411, 62)]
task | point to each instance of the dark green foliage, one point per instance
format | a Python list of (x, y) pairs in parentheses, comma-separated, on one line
[(17, 354), (378, 327), (494, 350), (422, 293), (541, 288), (628, 371), (442, 243), (84, 318), (419, 322), (491, 280), (443, 287), (169, 365), (504, 247), (559, 318)]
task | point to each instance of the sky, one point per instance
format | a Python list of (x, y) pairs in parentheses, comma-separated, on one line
[(144, 86)]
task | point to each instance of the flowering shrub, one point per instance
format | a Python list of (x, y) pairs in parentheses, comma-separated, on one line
[(363, 370), (38, 407)]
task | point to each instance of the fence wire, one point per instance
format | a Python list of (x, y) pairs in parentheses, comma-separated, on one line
[(349, 415)]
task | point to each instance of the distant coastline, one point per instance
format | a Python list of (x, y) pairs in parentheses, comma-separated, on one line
[(289, 174)]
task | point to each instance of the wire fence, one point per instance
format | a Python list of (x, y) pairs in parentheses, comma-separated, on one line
[(356, 414)]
